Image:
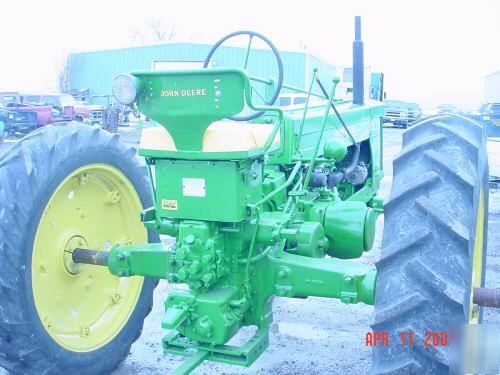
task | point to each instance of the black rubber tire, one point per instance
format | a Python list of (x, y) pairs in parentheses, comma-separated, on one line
[(425, 267), (29, 173)]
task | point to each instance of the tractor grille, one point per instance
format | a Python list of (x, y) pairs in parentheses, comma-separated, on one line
[(392, 114), (25, 116)]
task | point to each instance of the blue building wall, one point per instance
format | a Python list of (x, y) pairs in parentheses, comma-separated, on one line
[(96, 70)]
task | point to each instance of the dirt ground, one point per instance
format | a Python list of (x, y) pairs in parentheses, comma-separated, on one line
[(314, 335), (308, 336)]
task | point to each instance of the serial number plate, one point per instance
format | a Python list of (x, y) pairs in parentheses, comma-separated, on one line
[(193, 187)]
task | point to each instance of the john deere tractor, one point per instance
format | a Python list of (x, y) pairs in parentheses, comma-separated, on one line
[(260, 201)]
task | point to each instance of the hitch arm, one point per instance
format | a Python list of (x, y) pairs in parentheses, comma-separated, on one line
[(300, 276)]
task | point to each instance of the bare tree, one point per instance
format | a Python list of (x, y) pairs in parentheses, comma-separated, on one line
[(155, 31), (63, 77)]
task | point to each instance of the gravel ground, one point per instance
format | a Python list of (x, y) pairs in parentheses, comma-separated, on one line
[(308, 336)]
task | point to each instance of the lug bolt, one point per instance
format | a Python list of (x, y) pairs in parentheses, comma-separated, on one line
[(84, 331), (114, 196), (82, 179), (48, 322), (475, 311), (120, 256), (116, 297)]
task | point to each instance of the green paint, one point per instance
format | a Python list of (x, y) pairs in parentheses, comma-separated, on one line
[(246, 224), (207, 190)]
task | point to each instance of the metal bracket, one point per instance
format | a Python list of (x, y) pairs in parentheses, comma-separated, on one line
[(175, 343)]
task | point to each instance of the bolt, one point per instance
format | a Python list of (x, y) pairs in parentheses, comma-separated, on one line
[(114, 196), (82, 179), (120, 256), (182, 274), (116, 297), (282, 274), (207, 258), (84, 331), (42, 269), (194, 267), (207, 277), (348, 280), (190, 238), (475, 311)]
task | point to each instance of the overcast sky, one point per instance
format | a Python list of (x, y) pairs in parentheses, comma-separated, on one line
[(430, 51)]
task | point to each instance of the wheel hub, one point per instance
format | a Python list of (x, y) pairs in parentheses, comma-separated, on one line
[(72, 244)]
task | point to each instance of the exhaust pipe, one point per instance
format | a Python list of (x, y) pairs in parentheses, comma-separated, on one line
[(358, 69)]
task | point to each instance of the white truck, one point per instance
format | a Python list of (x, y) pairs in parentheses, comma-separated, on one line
[(491, 116), (492, 88)]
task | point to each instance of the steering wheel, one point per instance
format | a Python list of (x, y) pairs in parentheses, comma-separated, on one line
[(278, 83)]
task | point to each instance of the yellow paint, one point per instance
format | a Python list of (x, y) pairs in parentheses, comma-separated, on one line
[(169, 204), (83, 307), (477, 260), (221, 136)]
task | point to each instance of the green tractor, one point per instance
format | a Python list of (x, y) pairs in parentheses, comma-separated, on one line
[(261, 201)]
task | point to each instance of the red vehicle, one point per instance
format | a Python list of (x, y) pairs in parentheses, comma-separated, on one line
[(67, 106), (13, 100)]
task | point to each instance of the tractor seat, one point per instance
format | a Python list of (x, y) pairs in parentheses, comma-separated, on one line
[(220, 136)]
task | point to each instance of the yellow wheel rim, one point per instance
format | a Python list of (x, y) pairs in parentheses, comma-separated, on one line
[(83, 307), (477, 260)]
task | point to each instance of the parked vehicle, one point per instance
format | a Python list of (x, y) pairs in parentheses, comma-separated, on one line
[(7, 98), (17, 123), (414, 112), (291, 99), (396, 112), (493, 145), (67, 106), (490, 116), (46, 114), (89, 102), (448, 108)]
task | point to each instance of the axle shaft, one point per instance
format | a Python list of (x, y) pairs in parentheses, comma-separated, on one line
[(487, 297), (88, 256)]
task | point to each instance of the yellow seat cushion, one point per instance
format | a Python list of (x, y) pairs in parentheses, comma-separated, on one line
[(221, 136)]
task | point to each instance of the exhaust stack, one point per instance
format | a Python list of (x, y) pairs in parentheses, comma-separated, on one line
[(358, 69)]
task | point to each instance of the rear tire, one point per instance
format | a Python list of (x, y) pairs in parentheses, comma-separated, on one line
[(31, 173), (424, 281)]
